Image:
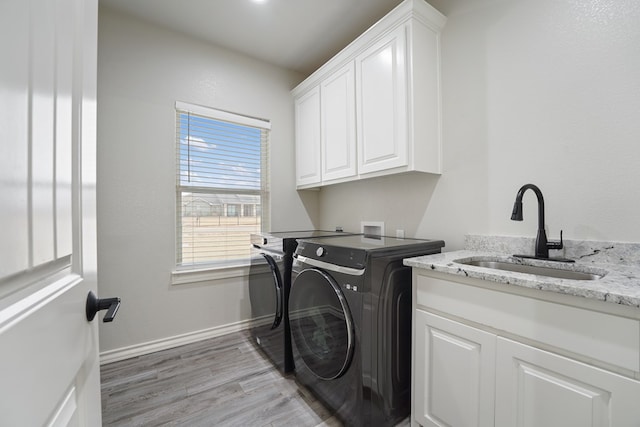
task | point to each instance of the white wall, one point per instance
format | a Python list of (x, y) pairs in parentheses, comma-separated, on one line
[(544, 92), (142, 71)]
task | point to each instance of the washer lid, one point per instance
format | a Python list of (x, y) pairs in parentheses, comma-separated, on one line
[(287, 240), (353, 250)]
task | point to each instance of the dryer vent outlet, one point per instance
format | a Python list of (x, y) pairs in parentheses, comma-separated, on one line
[(372, 228)]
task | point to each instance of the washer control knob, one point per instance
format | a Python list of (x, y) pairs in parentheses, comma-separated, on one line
[(320, 251)]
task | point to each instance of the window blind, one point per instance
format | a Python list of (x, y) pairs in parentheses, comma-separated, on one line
[(222, 187)]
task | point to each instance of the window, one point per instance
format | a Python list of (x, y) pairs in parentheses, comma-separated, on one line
[(222, 191)]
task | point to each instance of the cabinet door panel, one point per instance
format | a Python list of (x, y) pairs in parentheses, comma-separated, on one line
[(381, 104), (538, 388), (454, 373), (338, 125), (307, 111)]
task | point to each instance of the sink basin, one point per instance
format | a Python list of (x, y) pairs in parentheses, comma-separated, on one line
[(538, 270)]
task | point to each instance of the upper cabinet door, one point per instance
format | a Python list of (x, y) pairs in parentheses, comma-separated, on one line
[(381, 104), (338, 124), (307, 112)]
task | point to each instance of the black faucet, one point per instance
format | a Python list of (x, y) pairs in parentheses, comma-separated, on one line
[(542, 244)]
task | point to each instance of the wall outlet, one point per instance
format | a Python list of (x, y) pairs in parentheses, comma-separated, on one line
[(400, 234)]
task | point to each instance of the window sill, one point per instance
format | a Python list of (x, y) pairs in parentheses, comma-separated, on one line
[(185, 277)]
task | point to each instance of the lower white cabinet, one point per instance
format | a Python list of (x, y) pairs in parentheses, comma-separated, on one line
[(453, 373), (477, 367), (539, 388)]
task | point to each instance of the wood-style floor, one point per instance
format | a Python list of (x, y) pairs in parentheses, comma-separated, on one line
[(222, 381)]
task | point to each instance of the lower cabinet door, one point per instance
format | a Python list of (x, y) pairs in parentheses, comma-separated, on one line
[(454, 373), (538, 388)]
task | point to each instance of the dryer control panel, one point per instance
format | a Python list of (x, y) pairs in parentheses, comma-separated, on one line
[(338, 255)]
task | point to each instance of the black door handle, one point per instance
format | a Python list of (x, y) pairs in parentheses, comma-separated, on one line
[(94, 305)]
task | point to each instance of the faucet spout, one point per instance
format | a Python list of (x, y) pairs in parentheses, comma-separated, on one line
[(542, 244), (516, 215)]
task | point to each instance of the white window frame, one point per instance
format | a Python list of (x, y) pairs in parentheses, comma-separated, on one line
[(184, 274)]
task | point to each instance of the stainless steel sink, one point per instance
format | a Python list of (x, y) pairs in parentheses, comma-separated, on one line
[(558, 273)]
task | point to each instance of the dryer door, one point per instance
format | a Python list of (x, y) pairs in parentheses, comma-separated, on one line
[(321, 325)]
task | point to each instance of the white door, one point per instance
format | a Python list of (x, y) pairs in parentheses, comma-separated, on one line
[(49, 367)]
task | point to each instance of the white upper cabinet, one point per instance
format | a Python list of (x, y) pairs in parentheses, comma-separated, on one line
[(379, 102), (307, 111), (381, 72), (338, 125)]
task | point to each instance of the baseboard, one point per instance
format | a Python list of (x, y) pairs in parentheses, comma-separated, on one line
[(123, 353)]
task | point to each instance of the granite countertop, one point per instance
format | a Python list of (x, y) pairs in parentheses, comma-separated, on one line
[(619, 285)]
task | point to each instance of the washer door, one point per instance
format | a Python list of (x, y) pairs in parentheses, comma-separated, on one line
[(321, 324), (277, 283), (266, 288)]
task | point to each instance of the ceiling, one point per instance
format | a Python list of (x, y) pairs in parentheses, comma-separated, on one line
[(298, 35)]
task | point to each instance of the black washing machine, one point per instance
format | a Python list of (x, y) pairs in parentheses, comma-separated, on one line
[(269, 284), (350, 320)]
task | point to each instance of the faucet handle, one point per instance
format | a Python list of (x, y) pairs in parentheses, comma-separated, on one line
[(555, 244)]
